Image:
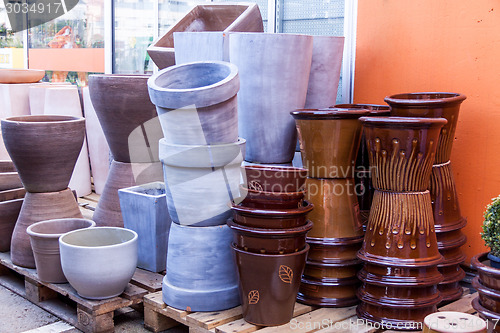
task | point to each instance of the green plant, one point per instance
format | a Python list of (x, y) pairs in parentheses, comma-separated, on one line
[(491, 226)]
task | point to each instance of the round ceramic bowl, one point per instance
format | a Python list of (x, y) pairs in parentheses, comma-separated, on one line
[(489, 276), (274, 179), (269, 241), (271, 200), (99, 262), (271, 218), (21, 75)]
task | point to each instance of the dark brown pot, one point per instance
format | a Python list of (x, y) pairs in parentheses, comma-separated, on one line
[(451, 291), (451, 239), (324, 270), (39, 207), (333, 250), (269, 285), (364, 191), (9, 181), (16, 193), (491, 316), (270, 241), (44, 149), (490, 298), (401, 296), (271, 200), (274, 178), (272, 219), (400, 276), (489, 276), (7, 166), (9, 212), (329, 292), (127, 116)]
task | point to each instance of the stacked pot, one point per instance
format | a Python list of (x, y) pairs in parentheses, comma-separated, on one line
[(201, 156), (269, 228), (11, 200), (447, 217), (487, 304), (329, 141)]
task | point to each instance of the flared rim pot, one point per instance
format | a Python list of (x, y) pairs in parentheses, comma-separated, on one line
[(488, 275), (490, 298), (271, 200), (375, 109), (419, 99), (329, 113), (402, 122)]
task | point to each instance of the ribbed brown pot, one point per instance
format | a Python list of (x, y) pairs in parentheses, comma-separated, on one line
[(491, 316), (272, 219)]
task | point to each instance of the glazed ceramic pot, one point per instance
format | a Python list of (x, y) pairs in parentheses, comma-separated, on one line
[(122, 175), (364, 192), (9, 181), (269, 285), (329, 292), (44, 238), (201, 181), (333, 250), (490, 316), (449, 244), (270, 68), (329, 141), (325, 71), (271, 218), (489, 276), (201, 273), (489, 298), (127, 116), (21, 75), (327, 271), (271, 200), (99, 262), (39, 207), (144, 210), (269, 241), (9, 212), (451, 321), (16, 193), (274, 178), (196, 102), (44, 149)]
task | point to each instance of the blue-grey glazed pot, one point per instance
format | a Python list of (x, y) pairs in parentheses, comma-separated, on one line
[(201, 273)]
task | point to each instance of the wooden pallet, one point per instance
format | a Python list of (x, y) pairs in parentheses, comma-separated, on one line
[(306, 319)]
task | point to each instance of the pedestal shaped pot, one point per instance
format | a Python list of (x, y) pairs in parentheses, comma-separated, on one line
[(44, 238), (271, 218), (196, 102), (9, 212), (274, 79), (201, 274)]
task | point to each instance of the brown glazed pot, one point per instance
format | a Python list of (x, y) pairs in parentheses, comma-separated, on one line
[(333, 250), (16, 193), (269, 241), (329, 140), (9, 212), (44, 149), (127, 116), (9, 181), (491, 316), (269, 285), (401, 151), (490, 298), (324, 270), (337, 293), (489, 276), (39, 207), (364, 191), (44, 239), (271, 200), (397, 276), (451, 239), (271, 219), (274, 178), (431, 105)]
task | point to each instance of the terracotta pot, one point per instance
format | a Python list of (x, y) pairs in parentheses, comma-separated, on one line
[(272, 219), (39, 207), (269, 285), (201, 273), (38, 97), (491, 316), (451, 322), (9, 212), (122, 175), (328, 271), (274, 178), (99, 262), (44, 149), (269, 241), (44, 239), (21, 75), (271, 200), (201, 181), (16, 193), (329, 293), (411, 145), (202, 97), (431, 105), (7, 166), (127, 116), (489, 276), (9, 181), (333, 250), (329, 141), (270, 68)]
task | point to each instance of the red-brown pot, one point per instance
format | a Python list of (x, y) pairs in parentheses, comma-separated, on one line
[(9, 212), (274, 178), (272, 219), (324, 270), (490, 298), (336, 293), (333, 250), (491, 316), (489, 276), (271, 200)]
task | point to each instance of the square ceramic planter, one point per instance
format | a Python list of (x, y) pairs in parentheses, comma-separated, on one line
[(144, 210)]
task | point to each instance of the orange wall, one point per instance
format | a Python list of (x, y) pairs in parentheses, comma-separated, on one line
[(441, 45)]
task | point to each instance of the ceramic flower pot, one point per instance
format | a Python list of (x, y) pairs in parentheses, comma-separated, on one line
[(449, 244), (452, 321), (16, 193), (201, 46), (489, 276), (269, 241), (329, 292), (329, 141), (99, 262), (127, 116), (192, 172), (489, 298), (39, 207), (333, 250), (9, 212), (21, 75), (271, 200), (122, 175), (325, 270), (272, 219), (9, 181), (201, 274), (44, 149), (38, 96), (274, 179), (270, 68), (269, 285), (196, 102), (144, 210), (492, 317), (7, 166), (44, 238)]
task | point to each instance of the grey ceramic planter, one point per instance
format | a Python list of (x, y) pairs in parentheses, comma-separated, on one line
[(144, 210), (201, 273)]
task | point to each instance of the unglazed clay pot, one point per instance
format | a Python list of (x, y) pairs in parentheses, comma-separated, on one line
[(269, 241), (329, 292), (9, 212), (7, 166), (201, 46), (271, 200), (489, 276), (201, 181), (127, 116), (44, 149), (453, 322), (44, 238), (21, 75), (39, 207), (9, 181), (16, 193), (491, 316), (269, 285), (99, 262), (274, 179), (274, 79), (196, 102), (271, 218), (329, 141), (201, 273)]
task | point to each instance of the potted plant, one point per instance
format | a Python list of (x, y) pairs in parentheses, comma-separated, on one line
[(491, 231)]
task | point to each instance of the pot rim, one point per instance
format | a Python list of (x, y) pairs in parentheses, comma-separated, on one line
[(405, 99), (375, 109), (277, 195), (240, 142), (271, 35), (6, 202), (482, 289), (30, 231), (262, 232), (483, 311), (126, 243), (329, 113), (331, 282), (298, 253), (476, 263), (49, 119), (284, 169), (274, 213), (127, 76), (403, 122)]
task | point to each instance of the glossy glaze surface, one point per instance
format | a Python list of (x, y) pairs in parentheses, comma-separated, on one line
[(272, 219), (274, 178)]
